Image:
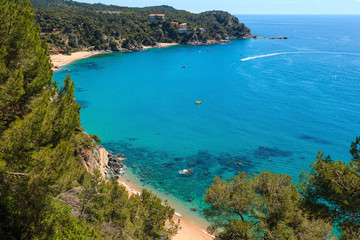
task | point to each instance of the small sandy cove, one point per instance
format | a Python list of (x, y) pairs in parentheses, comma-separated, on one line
[(59, 60), (188, 231)]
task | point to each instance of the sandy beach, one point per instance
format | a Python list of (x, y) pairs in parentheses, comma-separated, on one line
[(189, 230), (161, 45), (60, 60)]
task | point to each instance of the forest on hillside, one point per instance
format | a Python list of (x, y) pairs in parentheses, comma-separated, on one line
[(45, 191), (73, 26)]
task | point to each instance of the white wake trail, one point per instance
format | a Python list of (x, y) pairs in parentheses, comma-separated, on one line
[(262, 56), (284, 53)]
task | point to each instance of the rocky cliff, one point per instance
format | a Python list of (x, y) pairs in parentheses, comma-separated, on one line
[(108, 164)]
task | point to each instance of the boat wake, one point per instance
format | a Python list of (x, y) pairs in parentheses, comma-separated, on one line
[(285, 53), (261, 56)]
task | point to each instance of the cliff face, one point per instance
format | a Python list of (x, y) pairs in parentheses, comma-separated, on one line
[(98, 158)]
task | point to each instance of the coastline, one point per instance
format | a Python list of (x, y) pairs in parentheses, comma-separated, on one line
[(189, 229), (162, 45), (60, 60)]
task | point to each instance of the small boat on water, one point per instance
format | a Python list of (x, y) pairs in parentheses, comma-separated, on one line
[(198, 102)]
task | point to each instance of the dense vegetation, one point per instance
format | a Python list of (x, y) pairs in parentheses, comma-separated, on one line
[(271, 206), (45, 192), (75, 26), (40, 164)]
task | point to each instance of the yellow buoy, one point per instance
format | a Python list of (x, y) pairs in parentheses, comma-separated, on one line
[(198, 102)]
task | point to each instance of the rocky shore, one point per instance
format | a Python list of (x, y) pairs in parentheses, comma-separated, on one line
[(109, 165)]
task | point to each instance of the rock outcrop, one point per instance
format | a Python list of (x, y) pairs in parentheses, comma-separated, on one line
[(98, 158), (278, 38), (115, 168)]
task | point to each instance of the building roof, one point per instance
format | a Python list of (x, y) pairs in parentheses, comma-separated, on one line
[(157, 15)]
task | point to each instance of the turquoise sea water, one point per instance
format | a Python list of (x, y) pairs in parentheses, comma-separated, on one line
[(266, 104)]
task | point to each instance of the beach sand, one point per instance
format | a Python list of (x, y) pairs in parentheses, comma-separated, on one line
[(161, 45), (60, 60), (189, 229)]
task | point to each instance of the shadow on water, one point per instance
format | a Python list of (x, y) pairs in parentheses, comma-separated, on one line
[(90, 66), (264, 152), (83, 104), (78, 89), (314, 139)]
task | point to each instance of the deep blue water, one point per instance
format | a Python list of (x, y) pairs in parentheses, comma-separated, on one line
[(273, 111)]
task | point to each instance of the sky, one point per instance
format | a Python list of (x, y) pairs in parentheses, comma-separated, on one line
[(249, 6)]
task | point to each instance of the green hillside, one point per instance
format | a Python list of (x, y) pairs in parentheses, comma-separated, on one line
[(45, 190), (73, 26)]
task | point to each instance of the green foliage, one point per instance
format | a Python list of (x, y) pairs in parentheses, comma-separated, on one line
[(270, 206), (332, 189), (72, 25), (263, 206), (41, 141), (61, 224), (96, 138), (109, 208), (24, 64)]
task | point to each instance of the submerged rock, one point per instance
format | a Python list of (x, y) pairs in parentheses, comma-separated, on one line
[(206, 173)]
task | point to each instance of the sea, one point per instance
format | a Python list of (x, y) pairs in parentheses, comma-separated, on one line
[(265, 104)]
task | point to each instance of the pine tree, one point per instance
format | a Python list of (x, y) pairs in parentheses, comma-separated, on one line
[(24, 62), (263, 206), (38, 123), (332, 189)]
